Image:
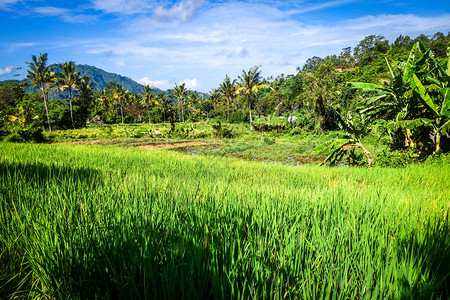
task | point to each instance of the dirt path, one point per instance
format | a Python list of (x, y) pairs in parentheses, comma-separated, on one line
[(170, 145)]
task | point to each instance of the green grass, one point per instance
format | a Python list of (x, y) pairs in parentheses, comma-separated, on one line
[(96, 221)]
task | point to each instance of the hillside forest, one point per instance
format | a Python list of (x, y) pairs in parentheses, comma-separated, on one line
[(400, 89)]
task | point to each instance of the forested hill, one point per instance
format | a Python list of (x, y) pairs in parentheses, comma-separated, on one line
[(98, 76), (101, 77)]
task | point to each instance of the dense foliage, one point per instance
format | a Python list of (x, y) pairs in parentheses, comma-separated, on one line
[(318, 98)]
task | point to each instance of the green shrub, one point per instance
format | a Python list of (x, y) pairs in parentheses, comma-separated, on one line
[(394, 159), (14, 138), (239, 116)]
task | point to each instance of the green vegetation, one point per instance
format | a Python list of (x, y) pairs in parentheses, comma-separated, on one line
[(232, 210), (105, 222), (399, 91)]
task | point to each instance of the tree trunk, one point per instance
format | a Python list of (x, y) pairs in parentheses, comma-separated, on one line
[(228, 112), (121, 112), (438, 142), (250, 111), (182, 110), (45, 98), (70, 105)]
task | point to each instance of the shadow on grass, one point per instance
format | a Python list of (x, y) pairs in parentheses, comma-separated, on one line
[(21, 188), (425, 271)]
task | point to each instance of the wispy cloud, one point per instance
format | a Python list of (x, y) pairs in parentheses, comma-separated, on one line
[(67, 15), (203, 40), (126, 7), (306, 7), (17, 46), (4, 4)]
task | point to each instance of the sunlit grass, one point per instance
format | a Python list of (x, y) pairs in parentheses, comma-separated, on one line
[(105, 222)]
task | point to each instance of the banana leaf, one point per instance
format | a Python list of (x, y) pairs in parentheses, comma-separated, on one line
[(331, 145), (446, 103), (444, 128), (417, 85)]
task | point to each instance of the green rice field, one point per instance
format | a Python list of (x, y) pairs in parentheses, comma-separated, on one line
[(109, 222)]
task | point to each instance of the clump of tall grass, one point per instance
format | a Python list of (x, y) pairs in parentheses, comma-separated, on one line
[(108, 222)]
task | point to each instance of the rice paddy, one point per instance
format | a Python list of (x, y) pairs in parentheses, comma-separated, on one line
[(107, 222)]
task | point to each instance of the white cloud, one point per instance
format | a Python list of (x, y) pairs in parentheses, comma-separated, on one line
[(7, 70), (239, 52), (6, 3), (182, 11), (65, 14), (160, 84), (17, 46), (225, 37), (122, 6), (191, 84), (319, 6)]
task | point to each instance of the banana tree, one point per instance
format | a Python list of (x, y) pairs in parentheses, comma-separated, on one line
[(417, 98), (355, 127)]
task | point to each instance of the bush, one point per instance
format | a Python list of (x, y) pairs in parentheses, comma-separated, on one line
[(439, 159), (394, 159), (14, 138), (239, 116)]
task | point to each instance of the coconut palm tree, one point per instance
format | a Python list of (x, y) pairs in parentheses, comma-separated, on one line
[(148, 99), (120, 97), (249, 85), (228, 89), (180, 92), (68, 80), (40, 76), (214, 98)]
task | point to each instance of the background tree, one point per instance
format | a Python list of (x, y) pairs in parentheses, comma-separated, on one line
[(180, 94), (228, 89), (120, 98), (68, 80), (148, 99), (249, 85), (320, 93), (40, 76)]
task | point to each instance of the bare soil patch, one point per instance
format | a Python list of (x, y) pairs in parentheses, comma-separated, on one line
[(170, 145)]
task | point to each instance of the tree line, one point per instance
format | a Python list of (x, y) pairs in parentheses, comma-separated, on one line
[(405, 76)]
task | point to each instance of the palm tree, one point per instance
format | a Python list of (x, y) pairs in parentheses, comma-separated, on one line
[(148, 99), (164, 104), (68, 80), (214, 98), (228, 89), (180, 92), (119, 96), (86, 89), (40, 76), (249, 86)]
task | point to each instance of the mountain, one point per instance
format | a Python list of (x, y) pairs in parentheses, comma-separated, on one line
[(98, 76), (101, 77)]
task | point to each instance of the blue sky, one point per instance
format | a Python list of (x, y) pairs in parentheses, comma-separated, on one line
[(198, 41)]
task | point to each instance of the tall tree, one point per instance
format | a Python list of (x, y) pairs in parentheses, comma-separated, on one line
[(148, 99), (180, 93), (120, 97), (228, 89), (214, 98), (68, 80), (249, 85), (40, 76)]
